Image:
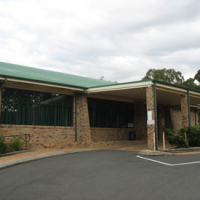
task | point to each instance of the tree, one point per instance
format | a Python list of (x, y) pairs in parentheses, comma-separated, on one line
[(197, 76), (191, 84), (166, 75)]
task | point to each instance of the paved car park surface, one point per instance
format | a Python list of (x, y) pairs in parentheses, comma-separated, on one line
[(102, 174)]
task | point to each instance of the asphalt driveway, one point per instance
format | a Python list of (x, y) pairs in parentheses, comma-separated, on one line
[(102, 174)]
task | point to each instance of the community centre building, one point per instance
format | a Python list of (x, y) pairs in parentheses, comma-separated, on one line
[(61, 110)]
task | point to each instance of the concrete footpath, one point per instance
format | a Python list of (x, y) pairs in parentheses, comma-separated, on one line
[(16, 159)]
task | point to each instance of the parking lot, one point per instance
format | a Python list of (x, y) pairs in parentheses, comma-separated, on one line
[(103, 174)]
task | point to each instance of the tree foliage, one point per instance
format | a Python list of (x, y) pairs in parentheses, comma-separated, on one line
[(197, 76), (191, 84), (166, 75)]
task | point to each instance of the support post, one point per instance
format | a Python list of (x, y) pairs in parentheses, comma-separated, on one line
[(0, 103), (189, 113), (155, 111), (75, 117), (195, 117), (26, 141)]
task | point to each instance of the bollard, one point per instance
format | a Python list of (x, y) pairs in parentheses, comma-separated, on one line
[(163, 140), (154, 141)]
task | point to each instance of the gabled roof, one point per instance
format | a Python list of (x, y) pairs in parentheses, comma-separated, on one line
[(34, 74)]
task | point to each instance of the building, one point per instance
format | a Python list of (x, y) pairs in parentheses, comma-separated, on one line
[(60, 110)]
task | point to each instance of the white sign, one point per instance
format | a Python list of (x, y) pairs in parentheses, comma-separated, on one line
[(150, 122), (149, 115), (130, 125)]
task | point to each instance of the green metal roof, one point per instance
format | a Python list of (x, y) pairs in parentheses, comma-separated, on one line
[(34, 74)]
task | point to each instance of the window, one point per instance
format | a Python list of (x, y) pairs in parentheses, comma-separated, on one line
[(24, 107), (110, 114)]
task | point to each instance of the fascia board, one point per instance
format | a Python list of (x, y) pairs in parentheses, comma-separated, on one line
[(170, 88), (193, 106), (120, 87), (42, 84), (194, 94)]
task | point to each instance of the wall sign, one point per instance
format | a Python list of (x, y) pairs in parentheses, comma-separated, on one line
[(150, 121), (130, 125)]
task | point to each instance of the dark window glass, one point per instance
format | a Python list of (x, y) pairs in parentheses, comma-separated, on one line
[(110, 114), (24, 107)]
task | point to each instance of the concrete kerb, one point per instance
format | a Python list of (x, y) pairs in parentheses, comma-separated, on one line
[(17, 152), (38, 157), (154, 153)]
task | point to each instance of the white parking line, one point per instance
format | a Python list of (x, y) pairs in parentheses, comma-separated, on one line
[(189, 163)]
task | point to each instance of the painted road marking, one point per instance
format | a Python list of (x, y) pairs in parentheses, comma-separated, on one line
[(189, 163)]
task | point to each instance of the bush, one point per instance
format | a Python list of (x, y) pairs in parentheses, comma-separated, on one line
[(175, 139), (3, 145), (187, 136), (16, 144)]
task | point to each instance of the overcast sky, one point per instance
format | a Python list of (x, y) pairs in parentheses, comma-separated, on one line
[(117, 39)]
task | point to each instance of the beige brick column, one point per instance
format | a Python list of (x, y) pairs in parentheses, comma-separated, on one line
[(83, 124), (184, 110), (150, 107)]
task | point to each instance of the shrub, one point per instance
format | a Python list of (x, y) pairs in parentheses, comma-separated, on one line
[(175, 139), (3, 145), (16, 144), (193, 136), (187, 136)]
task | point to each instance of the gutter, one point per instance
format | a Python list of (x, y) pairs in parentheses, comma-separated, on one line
[(5, 81)]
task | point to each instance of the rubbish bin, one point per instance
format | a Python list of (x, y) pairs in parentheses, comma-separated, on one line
[(132, 135)]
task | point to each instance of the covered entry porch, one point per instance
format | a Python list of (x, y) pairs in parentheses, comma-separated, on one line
[(157, 106)]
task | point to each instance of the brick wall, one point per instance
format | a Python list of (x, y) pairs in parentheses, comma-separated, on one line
[(176, 116), (168, 120), (110, 134), (161, 121), (43, 136), (175, 112), (117, 134), (57, 137), (140, 117)]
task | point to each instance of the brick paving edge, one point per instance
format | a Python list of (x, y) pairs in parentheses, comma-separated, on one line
[(38, 157)]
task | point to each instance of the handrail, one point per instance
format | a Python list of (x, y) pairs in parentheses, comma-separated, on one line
[(29, 137)]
